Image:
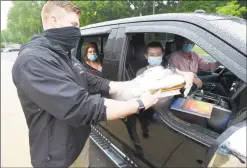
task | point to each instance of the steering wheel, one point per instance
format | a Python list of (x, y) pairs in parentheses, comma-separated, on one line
[(222, 70)]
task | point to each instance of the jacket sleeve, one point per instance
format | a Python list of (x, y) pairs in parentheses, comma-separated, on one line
[(97, 84), (53, 90)]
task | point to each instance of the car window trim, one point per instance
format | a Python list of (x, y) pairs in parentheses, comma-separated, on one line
[(92, 32)]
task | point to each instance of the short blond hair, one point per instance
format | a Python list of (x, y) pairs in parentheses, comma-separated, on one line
[(51, 4)]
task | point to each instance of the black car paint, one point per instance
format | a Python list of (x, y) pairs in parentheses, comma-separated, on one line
[(171, 142)]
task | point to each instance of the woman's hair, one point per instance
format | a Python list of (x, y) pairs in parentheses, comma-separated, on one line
[(91, 45)]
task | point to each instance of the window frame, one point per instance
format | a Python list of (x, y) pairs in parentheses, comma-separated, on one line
[(214, 46)]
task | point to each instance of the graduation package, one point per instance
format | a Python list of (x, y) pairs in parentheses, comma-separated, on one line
[(153, 79), (195, 107)]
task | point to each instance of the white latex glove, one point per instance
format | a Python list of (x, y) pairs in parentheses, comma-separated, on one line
[(127, 91), (189, 76)]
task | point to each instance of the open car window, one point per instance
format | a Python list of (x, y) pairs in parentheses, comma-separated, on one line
[(203, 53), (215, 91), (100, 40)]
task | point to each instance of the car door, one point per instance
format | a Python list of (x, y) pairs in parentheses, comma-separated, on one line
[(104, 37), (156, 150), (171, 141)]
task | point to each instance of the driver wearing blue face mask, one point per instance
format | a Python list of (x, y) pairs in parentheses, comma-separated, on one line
[(187, 60)]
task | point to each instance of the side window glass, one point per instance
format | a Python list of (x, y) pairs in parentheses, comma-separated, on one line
[(101, 44), (160, 37), (87, 40), (203, 53)]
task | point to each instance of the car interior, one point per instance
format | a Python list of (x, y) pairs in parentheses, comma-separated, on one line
[(101, 43), (227, 110)]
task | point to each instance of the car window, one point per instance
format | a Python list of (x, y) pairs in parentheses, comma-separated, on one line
[(160, 37), (99, 40), (203, 53)]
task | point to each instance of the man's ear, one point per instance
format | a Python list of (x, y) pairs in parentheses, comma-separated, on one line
[(53, 20)]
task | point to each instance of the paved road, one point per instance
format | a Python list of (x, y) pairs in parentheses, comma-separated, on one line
[(14, 132)]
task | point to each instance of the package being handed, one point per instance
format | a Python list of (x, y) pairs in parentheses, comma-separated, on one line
[(153, 79)]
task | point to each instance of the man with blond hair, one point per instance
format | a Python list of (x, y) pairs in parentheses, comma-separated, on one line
[(53, 90)]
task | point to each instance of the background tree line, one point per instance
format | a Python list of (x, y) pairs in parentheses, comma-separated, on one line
[(24, 18)]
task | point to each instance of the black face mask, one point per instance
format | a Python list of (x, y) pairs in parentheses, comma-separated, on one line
[(65, 37)]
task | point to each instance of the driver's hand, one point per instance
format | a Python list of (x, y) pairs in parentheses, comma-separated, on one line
[(149, 100), (197, 82)]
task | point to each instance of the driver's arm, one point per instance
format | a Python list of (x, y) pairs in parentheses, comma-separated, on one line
[(207, 65)]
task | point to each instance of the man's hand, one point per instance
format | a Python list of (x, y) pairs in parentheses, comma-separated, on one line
[(149, 100), (198, 82)]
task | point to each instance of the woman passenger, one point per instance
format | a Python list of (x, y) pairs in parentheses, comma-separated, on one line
[(92, 60)]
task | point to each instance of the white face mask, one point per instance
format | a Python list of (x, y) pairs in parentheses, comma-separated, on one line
[(154, 61)]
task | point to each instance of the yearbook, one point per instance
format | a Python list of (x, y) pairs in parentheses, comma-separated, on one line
[(192, 106)]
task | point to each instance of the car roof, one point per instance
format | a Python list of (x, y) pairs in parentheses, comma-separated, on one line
[(229, 28), (167, 16)]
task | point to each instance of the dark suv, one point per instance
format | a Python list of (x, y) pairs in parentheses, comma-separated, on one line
[(173, 141)]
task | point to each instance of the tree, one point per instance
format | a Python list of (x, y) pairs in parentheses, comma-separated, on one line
[(232, 8), (7, 37), (190, 6), (24, 20), (99, 11)]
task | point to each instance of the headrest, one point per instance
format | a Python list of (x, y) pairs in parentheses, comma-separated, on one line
[(170, 47), (140, 52)]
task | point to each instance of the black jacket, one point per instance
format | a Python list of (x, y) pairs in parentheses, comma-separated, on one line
[(53, 91)]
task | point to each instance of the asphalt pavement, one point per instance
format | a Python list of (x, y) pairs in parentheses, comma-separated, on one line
[(14, 131)]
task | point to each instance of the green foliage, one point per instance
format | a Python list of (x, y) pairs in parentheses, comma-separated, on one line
[(99, 11), (6, 36), (232, 8), (2, 46), (24, 19)]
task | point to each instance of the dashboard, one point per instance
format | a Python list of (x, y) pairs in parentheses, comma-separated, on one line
[(224, 107)]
